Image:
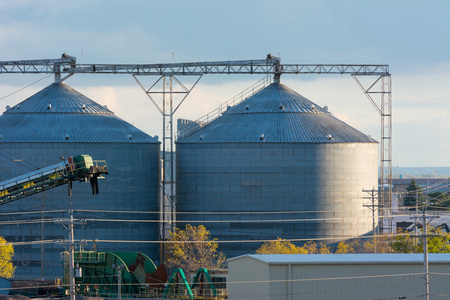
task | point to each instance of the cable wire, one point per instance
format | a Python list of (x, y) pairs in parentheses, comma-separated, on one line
[(25, 87)]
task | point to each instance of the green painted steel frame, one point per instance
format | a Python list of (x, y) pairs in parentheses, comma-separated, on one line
[(173, 283), (100, 278), (204, 271)]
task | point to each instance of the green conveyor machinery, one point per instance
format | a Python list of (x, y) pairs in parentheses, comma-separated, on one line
[(78, 168), (97, 273)]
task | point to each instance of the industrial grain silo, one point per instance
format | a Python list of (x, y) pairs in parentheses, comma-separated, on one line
[(276, 165), (60, 122)]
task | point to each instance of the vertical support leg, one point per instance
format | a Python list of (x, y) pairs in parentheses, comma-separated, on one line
[(385, 175), (386, 149), (167, 110)]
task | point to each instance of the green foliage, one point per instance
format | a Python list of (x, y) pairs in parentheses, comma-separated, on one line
[(436, 244), (404, 243), (6, 254), (413, 195), (192, 248), (439, 201)]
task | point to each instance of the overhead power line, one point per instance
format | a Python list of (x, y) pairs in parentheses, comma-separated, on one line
[(25, 87)]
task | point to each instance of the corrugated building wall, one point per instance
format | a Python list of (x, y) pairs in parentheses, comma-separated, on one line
[(336, 276)]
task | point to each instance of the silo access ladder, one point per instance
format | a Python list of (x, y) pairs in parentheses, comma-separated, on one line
[(78, 168)]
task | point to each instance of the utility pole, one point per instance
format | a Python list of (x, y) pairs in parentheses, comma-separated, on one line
[(373, 207), (425, 257), (119, 279), (425, 250), (417, 211), (68, 224)]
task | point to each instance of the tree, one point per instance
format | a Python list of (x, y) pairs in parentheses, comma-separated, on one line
[(192, 249), (413, 195), (279, 246), (311, 248), (437, 244), (404, 243), (439, 200), (349, 246), (6, 253)]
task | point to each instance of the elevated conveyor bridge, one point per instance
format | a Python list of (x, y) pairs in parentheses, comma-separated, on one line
[(79, 168)]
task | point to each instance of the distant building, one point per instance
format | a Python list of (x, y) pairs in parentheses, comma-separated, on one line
[(428, 186), (336, 276)]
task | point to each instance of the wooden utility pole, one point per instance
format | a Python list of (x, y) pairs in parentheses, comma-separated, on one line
[(68, 224), (373, 207), (425, 249)]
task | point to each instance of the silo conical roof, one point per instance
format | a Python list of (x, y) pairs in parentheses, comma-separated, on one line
[(59, 113), (277, 114)]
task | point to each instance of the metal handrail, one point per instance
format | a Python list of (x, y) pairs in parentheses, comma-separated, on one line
[(211, 116)]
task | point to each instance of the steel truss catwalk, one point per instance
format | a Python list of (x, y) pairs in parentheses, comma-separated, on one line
[(67, 66)]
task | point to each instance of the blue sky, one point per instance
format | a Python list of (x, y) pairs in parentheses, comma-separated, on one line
[(413, 37)]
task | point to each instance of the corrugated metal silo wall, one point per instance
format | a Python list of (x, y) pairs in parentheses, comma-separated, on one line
[(132, 185), (244, 192)]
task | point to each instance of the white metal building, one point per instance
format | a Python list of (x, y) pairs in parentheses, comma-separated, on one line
[(337, 276)]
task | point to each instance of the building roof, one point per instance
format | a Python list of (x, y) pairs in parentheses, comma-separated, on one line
[(277, 114), (345, 258), (60, 114)]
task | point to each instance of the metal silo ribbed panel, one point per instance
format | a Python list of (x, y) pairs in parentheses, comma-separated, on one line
[(63, 99), (80, 128), (299, 119), (296, 128), (285, 166), (35, 136)]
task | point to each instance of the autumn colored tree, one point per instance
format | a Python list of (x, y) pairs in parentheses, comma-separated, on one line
[(6, 253), (349, 246), (311, 248), (279, 246), (193, 248), (379, 244)]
